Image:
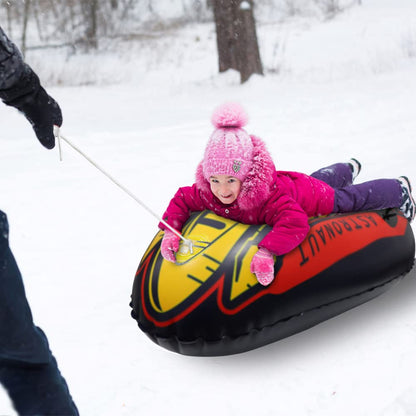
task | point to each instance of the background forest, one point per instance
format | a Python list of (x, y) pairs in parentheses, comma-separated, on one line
[(76, 28)]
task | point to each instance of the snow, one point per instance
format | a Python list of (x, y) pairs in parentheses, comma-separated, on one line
[(334, 89)]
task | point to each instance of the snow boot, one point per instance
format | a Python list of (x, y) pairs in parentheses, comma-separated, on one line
[(408, 206), (355, 167)]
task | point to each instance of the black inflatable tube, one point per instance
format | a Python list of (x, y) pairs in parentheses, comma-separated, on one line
[(209, 330)]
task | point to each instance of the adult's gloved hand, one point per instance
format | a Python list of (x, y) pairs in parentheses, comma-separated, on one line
[(42, 111), (169, 246), (262, 265)]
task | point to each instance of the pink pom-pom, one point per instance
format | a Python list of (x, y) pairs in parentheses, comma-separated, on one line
[(229, 115)]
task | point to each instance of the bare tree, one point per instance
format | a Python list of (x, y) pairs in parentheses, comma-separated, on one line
[(236, 37), (24, 28), (7, 7), (90, 9)]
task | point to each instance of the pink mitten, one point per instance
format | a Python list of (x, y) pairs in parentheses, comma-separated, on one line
[(169, 246), (262, 265)]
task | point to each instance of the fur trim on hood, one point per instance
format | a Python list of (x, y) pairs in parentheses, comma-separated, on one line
[(255, 189)]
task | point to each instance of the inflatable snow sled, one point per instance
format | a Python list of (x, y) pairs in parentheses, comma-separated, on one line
[(209, 303)]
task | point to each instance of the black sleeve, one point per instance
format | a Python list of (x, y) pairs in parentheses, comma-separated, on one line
[(17, 79)]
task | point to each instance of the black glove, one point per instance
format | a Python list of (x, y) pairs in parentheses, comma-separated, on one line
[(43, 113), (38, 107)]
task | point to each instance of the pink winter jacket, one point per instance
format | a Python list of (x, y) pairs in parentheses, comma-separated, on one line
[(283, 200)]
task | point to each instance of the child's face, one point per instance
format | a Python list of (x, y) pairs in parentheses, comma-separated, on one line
[(225, 188)]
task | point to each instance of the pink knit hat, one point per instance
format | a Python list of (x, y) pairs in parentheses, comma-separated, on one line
[(229, 150)]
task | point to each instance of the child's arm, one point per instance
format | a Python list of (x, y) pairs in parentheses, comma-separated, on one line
[(185, 201), (290, 225)]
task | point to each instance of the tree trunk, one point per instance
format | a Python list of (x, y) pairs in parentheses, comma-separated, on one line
[(226, 43), (37, 19), (90, 10), (24, 28), (8, 28), (236, 37), (91, 32)]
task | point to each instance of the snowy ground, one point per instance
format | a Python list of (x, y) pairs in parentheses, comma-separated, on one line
[(347, 87)]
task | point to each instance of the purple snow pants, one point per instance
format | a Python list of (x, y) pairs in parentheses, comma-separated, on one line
[(377, 194)]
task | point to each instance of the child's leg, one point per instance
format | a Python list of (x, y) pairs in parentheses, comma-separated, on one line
[(378, 194), (338, 175)]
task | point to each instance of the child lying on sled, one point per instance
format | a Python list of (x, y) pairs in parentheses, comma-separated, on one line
[(237, 179)]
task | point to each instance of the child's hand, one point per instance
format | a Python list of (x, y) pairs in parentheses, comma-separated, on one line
[(169, 246), (262, 265)]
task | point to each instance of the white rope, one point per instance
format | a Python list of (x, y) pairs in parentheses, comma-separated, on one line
[(59, 137)]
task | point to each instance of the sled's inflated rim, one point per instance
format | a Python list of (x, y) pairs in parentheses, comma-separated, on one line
[(210, 304)]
